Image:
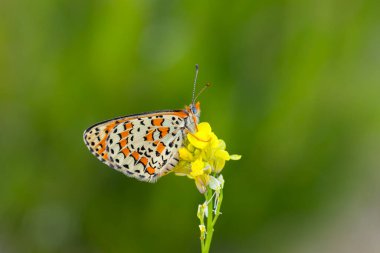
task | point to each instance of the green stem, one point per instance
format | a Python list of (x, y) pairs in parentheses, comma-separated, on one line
[(202, 245), (202, 238), (217, 211), (211, 217), (210, 229)]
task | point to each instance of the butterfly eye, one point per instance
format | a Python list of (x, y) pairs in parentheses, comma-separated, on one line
[(193, 109)]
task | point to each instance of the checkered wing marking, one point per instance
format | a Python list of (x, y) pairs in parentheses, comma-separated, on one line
[(142, 146)]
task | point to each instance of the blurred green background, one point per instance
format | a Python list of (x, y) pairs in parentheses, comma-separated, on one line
[(296, 88)]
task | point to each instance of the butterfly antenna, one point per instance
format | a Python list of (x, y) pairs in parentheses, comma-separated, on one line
[(202, 90), (195, 82)]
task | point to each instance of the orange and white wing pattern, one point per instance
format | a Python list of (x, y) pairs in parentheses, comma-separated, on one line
[(143, 146)]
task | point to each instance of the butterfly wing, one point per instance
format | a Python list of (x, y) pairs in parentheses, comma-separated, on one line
[(143, 146)]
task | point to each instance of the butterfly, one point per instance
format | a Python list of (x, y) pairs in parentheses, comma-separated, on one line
[(144, 146)]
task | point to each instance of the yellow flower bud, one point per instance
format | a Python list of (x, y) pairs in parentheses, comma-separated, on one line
[(197, 168), (202, 229), (185, 154), (222, 154), (235, 157)]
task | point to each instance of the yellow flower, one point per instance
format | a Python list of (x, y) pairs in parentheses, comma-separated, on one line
[(203, 154), (202, 137)]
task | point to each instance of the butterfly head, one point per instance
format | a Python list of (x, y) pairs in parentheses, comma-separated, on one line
[(195, 109), (194, 112)]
